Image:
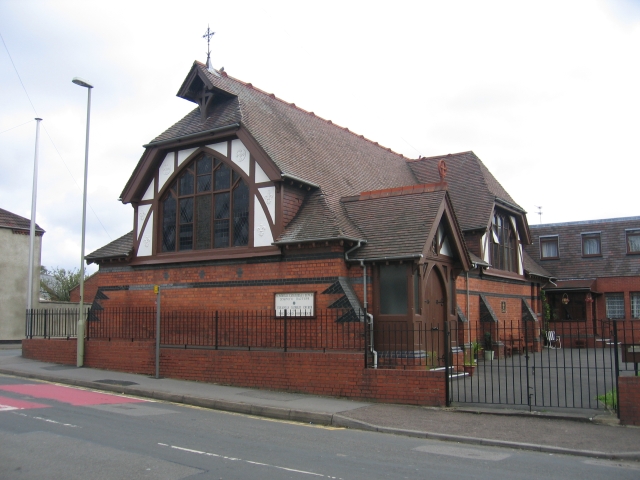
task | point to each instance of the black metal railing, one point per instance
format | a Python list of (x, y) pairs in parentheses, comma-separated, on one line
[(51, 323), (560, 364), (331, 329), (404, 345), (327, 330)]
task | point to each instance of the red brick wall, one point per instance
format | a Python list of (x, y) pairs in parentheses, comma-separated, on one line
[(629, 399), (496, 291), (91, 285), (292, 198), (332, 374), (121, 355), (623, 285), (249, 283), (52, 351)]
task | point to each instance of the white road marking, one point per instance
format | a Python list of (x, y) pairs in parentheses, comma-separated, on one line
[(471, 453), (48, 420), (614, 463), (234, 459), (7, 408)]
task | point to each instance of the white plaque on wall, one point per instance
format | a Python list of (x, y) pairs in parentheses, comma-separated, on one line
[(295, 304)]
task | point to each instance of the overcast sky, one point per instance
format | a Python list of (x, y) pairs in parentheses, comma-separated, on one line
[(546, 93)]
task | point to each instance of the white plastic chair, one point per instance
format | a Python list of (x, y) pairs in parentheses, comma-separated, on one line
[(553, 338)]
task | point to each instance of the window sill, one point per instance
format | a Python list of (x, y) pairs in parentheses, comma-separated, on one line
[(503, 274)]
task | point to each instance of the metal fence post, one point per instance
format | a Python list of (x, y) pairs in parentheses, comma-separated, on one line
[(156, 289), (447, 349), (285, 330), (366, 334), (216, 340), (617, 365)]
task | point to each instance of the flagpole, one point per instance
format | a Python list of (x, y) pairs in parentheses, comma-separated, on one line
[(32, 226)]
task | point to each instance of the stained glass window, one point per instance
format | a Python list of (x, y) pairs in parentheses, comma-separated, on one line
[(206, 207), (503, 243)]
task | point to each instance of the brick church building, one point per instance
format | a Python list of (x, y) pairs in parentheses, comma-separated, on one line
[(250, 203)]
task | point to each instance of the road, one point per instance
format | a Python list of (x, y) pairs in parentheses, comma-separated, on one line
[(55, 431)]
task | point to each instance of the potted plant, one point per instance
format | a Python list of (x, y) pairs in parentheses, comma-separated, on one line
[(475, 345), (469, 367), (488, 346)]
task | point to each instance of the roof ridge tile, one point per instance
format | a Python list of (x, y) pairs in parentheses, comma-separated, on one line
[(272, 95), (397, 191)]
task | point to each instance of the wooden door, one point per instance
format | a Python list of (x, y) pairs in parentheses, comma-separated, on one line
[(436, 314)]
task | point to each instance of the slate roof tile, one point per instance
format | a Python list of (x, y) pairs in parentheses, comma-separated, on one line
[(304, 145), (533, 268), (472, 187), (395, 225), (16, 222), (120, 248), (572, 265)]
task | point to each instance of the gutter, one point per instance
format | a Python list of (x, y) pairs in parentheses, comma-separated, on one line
[(412, 256), (319, 240), (192, 135), (287, 176), (510, 205)]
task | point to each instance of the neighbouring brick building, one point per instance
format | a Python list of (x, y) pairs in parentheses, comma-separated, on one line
[(597, 267)]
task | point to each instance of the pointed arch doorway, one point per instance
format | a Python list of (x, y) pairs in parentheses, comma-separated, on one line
[(435, 304)]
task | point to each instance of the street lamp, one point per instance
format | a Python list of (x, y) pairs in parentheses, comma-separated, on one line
[(81, 319)]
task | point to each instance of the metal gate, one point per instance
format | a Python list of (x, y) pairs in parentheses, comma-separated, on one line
[(571, 366)]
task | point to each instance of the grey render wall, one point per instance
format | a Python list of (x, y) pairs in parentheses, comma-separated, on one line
[(14, 267)]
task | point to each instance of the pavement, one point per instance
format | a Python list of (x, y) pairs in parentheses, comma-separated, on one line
[(587, 433)]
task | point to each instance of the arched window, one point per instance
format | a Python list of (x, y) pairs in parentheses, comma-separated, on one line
[(503, 244), (207, 206)]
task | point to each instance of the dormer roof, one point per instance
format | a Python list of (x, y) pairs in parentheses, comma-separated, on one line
[(474, 191)]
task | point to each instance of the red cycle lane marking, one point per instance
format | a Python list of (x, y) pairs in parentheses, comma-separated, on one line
[(7, 404), (68, 395)]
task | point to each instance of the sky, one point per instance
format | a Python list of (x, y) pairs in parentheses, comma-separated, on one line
[(546, 93)]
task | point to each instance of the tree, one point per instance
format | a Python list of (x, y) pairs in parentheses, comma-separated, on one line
[(56, 283)]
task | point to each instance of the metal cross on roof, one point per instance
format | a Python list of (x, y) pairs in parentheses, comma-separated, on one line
[(208, 34)]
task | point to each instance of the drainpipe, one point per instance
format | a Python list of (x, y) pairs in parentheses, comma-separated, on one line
[(369, 316), (468, 317), (364, 282), (373, 352)]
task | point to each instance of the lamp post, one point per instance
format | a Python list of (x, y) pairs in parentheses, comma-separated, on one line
[(81, 319)]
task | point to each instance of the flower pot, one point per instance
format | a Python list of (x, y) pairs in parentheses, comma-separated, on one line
[(488, 355), (469, 369)]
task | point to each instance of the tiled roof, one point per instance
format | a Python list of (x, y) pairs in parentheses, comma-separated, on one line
[(396, 225), (533, 268), (223, 114), (119, 248), (16, 222), (306, 146), (472, 187), (572, 265)]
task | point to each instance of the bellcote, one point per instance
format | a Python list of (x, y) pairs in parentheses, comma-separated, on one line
[(199, 89)]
